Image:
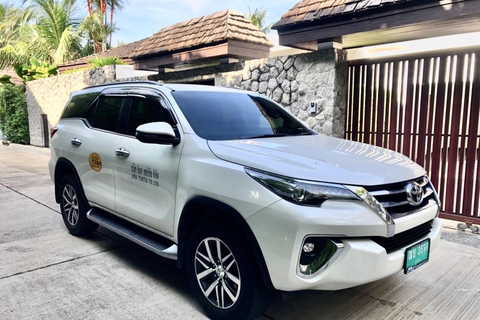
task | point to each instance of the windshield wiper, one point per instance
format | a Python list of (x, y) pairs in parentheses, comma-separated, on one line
[(269, 135)]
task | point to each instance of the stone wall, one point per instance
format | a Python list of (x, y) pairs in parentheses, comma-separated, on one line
[(294, 81), (49, 96)]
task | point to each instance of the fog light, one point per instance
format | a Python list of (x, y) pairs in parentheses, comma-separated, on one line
[(308, 247), (317, 254)]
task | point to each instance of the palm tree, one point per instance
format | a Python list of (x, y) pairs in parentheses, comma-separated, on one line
[(114, 6), (93, 28), (11, 20), (50, 35), (102, 6), (257, 18)]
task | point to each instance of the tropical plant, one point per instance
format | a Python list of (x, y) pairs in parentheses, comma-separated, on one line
[(257, 18), (35, 70), (51, 35), (94, 29), (105, 61), (11, 20), (5, 79), (14, 114), (103, 6)]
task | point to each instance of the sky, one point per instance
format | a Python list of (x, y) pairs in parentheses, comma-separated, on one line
[(140, 19)]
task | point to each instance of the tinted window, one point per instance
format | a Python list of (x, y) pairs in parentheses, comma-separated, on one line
[(145, 111), (231, 115), (105, 115), (77, 105)]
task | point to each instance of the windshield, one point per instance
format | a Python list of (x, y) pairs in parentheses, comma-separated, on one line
[(231, 115)]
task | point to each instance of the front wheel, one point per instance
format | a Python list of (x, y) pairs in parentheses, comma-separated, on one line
[(74, 208), (223, 275)]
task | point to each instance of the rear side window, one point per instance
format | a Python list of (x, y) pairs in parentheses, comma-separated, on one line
[(106, 113), (77, 105)]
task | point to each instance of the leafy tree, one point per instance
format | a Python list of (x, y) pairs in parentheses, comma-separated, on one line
[(258, 17), (50, 35)]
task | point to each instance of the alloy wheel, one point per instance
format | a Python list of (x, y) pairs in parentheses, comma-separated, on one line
[(217, 273), (70, 204)]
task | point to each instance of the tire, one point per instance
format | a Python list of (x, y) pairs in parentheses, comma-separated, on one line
[(74, 208), (229, 289)]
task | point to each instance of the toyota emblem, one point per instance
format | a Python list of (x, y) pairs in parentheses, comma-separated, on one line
[(414, 193)]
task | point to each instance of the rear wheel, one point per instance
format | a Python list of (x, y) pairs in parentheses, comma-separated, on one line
[(74, 208), (223, 274)]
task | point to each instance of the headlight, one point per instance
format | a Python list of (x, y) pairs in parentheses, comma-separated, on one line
[(300, 191)]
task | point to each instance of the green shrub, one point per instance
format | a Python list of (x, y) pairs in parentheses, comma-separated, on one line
[(14, 114), (35, 70), (105, 61)]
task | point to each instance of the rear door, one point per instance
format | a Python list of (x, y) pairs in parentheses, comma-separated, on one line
[(146, 174), (95, 154)]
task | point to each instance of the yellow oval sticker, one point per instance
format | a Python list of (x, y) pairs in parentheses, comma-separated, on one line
[(95, 162)]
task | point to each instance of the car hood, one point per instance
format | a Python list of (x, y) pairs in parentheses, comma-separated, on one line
[(320, 158)]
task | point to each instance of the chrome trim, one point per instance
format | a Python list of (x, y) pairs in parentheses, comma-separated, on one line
[(76, 142), (376, 207), (386, 192), (340, 247)]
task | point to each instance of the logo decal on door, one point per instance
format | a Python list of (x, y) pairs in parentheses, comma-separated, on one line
[(95, 162)]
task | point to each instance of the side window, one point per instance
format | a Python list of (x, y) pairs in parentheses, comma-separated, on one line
[(77, 105), (106, 113), (145, 111)]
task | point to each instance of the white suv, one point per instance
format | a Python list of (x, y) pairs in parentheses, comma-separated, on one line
[(240, 192)]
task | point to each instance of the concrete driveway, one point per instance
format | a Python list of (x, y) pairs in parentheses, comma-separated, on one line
[(45, 273)]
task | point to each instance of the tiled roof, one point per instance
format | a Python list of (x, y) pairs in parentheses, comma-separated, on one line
[(123, 52), (308, 10), (214, 28)]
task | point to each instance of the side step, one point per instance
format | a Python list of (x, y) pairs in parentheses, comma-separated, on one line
[(132, 232)]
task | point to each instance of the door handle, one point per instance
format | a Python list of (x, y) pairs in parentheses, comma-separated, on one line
[(122, 153), (76, 142)]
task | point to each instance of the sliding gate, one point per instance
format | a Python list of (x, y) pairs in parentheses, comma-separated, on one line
[(428, 109)]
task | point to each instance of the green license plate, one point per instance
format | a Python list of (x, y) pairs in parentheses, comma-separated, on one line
[(416, 256)]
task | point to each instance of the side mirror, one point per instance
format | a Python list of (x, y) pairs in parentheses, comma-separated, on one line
[(157, 132)]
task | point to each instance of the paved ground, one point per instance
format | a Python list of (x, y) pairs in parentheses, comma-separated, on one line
[(47, 274)]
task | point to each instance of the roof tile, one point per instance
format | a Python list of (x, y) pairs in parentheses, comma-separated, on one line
[(308, 10), (217, 27)]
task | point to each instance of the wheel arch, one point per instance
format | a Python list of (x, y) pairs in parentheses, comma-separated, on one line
[(62, 168), (194, 213)]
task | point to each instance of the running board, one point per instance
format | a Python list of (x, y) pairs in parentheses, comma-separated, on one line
[(132, 232)]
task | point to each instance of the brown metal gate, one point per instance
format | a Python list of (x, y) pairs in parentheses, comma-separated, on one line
[(428, 109)]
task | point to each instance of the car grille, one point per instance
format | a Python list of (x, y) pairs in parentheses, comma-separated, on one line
[(394, 199), (405, 238)]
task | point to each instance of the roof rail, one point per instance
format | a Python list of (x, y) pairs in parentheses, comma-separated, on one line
[(124, 82)]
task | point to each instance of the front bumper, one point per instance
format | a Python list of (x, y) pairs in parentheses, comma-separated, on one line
[(281, 235)]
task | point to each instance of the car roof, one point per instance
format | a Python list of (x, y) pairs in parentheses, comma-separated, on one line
[(171, 86)]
